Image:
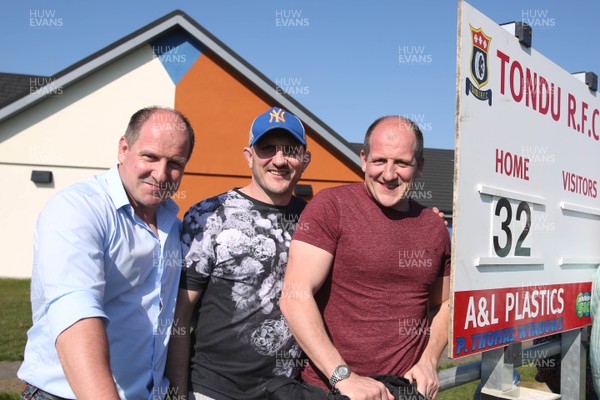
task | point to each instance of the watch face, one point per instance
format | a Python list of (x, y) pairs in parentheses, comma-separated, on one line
[(343, 371)]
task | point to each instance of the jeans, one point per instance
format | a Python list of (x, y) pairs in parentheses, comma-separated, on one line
[(33, 393)]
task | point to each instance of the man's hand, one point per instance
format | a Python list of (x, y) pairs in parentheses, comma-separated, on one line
[(440, 214), (363, 388), (426, 376)]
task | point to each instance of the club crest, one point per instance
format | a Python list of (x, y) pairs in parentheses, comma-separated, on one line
[(479, 66)]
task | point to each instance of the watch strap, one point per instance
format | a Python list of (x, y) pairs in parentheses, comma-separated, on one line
[(336, 376)]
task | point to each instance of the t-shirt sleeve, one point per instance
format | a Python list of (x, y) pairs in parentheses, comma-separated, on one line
[(198, 247), (319, 223)]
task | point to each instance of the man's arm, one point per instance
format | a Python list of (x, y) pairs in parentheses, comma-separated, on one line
[(178, 357), (84, 355), (307, 269), (424, 371)]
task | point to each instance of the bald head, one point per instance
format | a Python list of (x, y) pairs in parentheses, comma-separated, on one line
[(400, 122)]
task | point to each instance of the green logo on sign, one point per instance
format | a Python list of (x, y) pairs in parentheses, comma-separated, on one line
[(582, 304)]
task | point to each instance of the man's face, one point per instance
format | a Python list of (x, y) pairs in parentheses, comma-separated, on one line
[(277, 161), (391, 167), (152, 167)]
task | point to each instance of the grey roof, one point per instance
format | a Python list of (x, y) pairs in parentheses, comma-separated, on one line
[(435, 187), (177, 19), (15, 86), (438, 179)]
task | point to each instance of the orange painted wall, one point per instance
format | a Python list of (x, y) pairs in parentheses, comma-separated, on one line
[(221, 104)]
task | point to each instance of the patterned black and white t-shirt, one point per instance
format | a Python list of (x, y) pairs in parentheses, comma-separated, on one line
[(235, 251)]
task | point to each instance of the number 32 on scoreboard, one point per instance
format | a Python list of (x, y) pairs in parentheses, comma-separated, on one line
[(511, 228)]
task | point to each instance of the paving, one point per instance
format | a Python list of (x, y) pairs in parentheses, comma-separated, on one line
[(8, 377)]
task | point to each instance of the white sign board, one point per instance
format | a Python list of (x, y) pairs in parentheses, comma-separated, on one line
[(526, 234)]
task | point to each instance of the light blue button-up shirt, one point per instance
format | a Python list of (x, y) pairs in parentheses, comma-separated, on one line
[(93, 257)]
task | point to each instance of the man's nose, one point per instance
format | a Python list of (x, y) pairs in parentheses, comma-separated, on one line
[(389, 171)]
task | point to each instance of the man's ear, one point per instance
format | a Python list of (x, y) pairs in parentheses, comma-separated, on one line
[(306, 160), (363, 160), (123, 149), (248, 156)]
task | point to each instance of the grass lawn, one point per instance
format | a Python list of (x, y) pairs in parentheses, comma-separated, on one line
[(15, 320), (465, 392)]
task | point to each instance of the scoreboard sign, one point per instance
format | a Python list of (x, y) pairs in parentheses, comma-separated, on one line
[(526, 234)]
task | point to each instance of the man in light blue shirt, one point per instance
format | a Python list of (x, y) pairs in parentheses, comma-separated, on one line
[(106, 269)]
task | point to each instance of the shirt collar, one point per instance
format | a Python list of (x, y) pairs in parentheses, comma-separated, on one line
[(115, 188)]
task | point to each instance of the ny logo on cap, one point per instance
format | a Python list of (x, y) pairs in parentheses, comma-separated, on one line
[(279, 116)]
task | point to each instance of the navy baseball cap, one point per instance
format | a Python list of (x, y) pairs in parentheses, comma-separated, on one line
[(277, 118)]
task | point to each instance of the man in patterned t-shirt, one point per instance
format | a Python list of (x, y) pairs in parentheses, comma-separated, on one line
[(235, 247)]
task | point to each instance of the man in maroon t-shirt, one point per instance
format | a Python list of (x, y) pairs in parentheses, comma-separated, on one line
[(367, 283)]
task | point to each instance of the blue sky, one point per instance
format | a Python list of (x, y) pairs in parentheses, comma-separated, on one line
[(348, 62)]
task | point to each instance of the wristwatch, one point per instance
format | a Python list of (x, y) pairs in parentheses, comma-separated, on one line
[(341, 372)]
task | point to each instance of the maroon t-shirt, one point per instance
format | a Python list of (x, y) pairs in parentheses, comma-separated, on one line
[(374, 301)]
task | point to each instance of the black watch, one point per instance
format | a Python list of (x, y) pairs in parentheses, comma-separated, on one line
[(341, 372)]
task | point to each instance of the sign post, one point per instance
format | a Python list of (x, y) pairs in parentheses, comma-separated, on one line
[(526, 231)]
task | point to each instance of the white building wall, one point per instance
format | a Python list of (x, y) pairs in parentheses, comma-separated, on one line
[(19, 209), (74, 134)]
